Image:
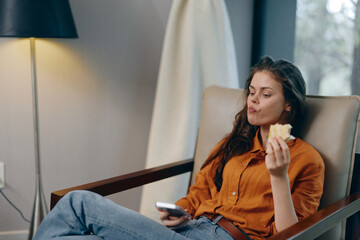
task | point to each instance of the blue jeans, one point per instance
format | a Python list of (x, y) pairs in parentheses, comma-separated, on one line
[(85, 215)]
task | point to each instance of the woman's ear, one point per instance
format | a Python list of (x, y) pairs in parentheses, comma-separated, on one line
[(287, 107)]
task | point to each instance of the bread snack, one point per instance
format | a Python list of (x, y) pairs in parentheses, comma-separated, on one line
[(279, 130)]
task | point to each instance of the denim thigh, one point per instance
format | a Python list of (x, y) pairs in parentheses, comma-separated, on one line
[(204, 228)]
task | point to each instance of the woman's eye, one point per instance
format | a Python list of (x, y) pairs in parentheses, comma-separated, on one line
[(266, 95), (252, 93)]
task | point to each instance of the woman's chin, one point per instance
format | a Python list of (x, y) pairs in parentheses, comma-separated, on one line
[(253, 122)]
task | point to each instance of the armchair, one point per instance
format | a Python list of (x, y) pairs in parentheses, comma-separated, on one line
[(330, 125)]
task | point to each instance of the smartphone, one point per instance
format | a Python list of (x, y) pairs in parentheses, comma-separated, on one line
[(173, 209)]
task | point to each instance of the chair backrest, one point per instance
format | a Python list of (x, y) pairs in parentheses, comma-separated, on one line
[(330, 125)]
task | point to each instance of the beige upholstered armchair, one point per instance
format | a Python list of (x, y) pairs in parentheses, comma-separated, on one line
[(330, 125)]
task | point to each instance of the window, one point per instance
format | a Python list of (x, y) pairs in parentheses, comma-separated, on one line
[(327, 45)]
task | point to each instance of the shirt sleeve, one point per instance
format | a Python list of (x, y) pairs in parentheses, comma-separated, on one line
[(198, 193), (201, 190), (308, 185)]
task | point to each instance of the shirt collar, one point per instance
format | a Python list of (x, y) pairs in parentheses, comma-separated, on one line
[(257, 144)]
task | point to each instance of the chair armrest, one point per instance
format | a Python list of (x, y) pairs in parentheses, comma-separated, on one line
[(322, 221), (131, 180)]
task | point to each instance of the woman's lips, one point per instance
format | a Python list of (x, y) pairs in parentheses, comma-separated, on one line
[(251, 110)]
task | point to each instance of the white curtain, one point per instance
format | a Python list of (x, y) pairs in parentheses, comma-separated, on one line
[(198, 51)]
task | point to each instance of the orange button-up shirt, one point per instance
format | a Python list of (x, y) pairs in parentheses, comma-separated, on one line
[(246, 196)]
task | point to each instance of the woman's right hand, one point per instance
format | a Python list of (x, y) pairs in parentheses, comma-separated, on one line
[(172, 222)]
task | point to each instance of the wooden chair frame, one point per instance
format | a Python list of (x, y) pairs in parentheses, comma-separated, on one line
[(309, 228)]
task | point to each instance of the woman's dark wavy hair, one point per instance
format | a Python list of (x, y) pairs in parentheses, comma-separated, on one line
[(240, 139)]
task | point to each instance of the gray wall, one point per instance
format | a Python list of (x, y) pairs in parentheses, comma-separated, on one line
[(274, 24), (241, 16), (96, 95)]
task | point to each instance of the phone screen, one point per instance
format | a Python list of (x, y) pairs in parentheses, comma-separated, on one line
[(173, 209)]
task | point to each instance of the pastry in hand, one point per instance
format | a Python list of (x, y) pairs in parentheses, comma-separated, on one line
[(279, 130)]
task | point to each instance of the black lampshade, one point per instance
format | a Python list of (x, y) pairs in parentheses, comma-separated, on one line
[(36, 18)]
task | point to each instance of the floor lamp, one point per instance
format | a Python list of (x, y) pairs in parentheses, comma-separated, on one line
[(36, 19)]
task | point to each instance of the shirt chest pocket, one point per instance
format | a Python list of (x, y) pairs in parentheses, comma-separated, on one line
[(251, 179)]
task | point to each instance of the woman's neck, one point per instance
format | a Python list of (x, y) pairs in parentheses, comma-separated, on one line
[(264, 133)]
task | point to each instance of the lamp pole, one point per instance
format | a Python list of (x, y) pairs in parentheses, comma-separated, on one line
[(40, 209), (36, 19)]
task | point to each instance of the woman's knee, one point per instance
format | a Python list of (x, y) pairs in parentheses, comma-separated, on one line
[(77, 194), (78, 197)]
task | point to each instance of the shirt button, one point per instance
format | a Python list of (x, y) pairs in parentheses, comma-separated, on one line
[(233, 193), (244, 165)]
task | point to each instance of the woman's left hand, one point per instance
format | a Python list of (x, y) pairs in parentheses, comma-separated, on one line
[(278, 158)]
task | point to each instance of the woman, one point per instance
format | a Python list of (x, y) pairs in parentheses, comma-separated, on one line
[(248, 182)]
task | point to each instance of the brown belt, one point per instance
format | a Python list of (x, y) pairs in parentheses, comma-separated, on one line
[(235, 232)]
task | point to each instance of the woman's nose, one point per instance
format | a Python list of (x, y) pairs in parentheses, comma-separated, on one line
[(254, 98)]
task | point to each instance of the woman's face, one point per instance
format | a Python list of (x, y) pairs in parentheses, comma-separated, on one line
[(266, 102)]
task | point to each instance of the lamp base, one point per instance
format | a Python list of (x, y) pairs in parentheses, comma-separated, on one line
[(40, 209)]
